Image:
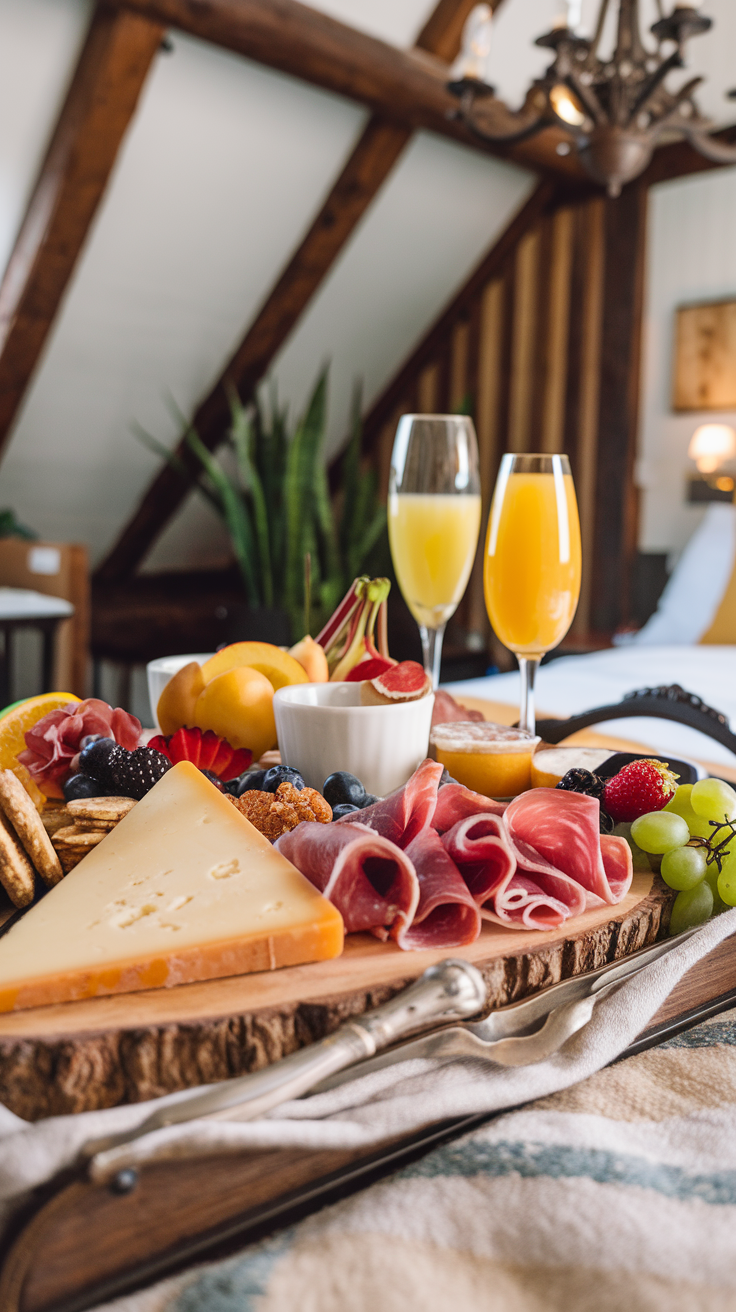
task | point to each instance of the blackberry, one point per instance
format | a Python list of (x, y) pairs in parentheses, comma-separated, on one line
[(219, 785), (582, 781), (133, 774)]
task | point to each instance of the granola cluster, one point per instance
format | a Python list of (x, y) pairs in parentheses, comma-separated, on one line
[(274, 814)]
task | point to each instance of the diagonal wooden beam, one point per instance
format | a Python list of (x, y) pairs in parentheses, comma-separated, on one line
[(110, 74), (409, 87), (370, 163)]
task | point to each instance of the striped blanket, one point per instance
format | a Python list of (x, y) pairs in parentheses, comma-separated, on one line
[(617, 1194)]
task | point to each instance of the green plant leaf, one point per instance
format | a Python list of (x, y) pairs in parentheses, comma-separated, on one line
[(299, 490), (152, 443), (242, 437), (235, 513)]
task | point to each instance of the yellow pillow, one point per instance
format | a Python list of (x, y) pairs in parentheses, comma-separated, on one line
[(722, 631)]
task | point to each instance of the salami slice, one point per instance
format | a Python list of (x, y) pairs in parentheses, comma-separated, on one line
[(372, 882)]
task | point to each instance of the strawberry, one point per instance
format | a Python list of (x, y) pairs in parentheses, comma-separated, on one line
[(639, 788), (205, 750)]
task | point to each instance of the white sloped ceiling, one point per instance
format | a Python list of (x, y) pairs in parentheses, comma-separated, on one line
[(221, 173)]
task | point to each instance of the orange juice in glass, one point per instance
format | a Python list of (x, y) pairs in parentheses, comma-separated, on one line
[(531, 566), (434, 511)]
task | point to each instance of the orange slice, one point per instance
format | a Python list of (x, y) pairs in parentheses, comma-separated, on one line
[(14, 725)]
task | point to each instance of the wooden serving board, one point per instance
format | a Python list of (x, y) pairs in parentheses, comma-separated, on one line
[(81, 1056)]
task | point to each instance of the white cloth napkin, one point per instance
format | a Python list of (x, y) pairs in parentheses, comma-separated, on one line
[(366, 1110)]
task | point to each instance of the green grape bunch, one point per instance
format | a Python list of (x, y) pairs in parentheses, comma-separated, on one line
[(695, 835)]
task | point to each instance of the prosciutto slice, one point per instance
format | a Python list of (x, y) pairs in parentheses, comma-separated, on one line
[(482, 853), (456, 802), (403, 814), (562, 830), (372, 882), (447, 915), (510, 883)]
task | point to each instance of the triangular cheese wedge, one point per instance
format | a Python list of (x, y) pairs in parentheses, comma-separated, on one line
[(183, 889)]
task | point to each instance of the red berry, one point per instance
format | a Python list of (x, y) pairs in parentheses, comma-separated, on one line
[(206, 750), (639, 788)]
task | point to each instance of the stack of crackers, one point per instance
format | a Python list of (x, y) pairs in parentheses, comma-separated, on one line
[(25, 846), (81, 825)]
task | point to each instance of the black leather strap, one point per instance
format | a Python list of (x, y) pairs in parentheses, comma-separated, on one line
[(664, 703)]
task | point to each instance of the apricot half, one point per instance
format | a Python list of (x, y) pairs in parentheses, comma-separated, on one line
[(276, 665), (179, 698), (238, 705)]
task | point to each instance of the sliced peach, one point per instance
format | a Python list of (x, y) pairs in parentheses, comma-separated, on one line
[(312, 658), (179, 698), (238, 705), (278, 666)]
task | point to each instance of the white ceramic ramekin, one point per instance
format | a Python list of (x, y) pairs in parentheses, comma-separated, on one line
[(159, 672), (322, 727)]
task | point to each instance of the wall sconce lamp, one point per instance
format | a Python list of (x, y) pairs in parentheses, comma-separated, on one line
[(711, 446)]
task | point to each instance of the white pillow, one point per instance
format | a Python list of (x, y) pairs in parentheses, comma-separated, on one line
[(696, 586)]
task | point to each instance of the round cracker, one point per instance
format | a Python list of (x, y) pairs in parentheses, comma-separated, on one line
[(16, 871), (26, 821), (109, 809)]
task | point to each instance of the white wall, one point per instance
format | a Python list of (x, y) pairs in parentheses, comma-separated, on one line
[(691, 257)]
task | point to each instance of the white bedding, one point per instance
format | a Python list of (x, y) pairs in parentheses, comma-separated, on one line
[(574, 684)]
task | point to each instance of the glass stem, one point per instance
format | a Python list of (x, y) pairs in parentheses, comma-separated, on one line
[(528, 666), (432, 651)]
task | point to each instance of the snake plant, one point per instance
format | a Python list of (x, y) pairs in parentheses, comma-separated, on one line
[(293, 549)]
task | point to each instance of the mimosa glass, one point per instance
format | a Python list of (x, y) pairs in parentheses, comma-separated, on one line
[(433, 520), (531, 567)]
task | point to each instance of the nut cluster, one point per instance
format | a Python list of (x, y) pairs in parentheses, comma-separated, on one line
[(274, 814)]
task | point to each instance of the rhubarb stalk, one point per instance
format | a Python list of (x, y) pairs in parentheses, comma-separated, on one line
[(348, 637)]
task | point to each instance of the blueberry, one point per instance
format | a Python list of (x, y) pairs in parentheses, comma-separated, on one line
[(247, 781), (344, 808), (213, 780), (342, 787), (446, 778), (83, 785), (281, 774), (368, 800), (94, 757)]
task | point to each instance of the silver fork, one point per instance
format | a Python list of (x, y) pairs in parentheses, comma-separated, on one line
[(454, 990)]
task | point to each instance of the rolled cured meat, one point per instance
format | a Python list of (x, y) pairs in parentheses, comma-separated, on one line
[(403, 814), (372, 882), (563, 829), (456, 802), (511, 883), (481, 851), (447, 915)]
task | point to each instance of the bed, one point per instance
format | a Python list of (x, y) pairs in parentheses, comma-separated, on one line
[(572, 684)]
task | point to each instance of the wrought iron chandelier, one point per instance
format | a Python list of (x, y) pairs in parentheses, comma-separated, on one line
[(614, 109)]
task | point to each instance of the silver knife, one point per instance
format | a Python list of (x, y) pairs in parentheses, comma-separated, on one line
[(453, 990)]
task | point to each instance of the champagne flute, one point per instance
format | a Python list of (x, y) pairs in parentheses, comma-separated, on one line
[(433, 520), (531, 567)]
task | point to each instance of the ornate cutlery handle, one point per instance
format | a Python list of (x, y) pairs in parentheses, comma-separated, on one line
[(452, 990)]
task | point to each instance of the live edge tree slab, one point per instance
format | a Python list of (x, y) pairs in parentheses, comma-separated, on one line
[(83, 1056)]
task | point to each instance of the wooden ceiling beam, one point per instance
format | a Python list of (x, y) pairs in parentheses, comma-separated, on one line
[(409, 87), (367, 168), (681, 160), (100, 103)]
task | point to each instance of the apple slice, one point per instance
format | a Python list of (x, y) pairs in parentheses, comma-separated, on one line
[(405, 682)]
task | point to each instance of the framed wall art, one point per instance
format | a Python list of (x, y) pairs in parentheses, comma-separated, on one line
[(704, 375)]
